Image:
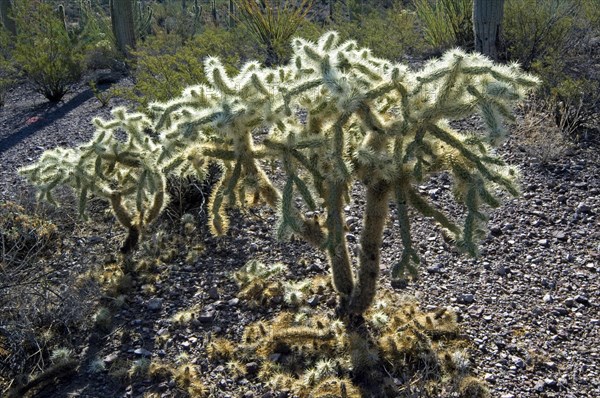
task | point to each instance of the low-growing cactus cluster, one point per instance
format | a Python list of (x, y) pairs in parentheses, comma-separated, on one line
[(411, 353), (335, 115)]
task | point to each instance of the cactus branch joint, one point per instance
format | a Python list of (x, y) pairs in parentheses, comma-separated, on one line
[(334, 115)]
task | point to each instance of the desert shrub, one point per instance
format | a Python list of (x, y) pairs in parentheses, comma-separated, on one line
[(540, 134), (538, 30), (390, 33), (21, 235), (37, 305), (46, 53), (166, 63), (7, 69), (272, 24), (555, 43), (446, 23), (184, 19)]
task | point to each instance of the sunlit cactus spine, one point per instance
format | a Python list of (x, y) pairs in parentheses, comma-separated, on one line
[(364, 119)]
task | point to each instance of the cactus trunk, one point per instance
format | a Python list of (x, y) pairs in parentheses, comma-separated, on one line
[(121, 13), (5, 14), (369, 252), (487, 18)]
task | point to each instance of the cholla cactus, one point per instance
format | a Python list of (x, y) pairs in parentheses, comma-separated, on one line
[(336, 114)]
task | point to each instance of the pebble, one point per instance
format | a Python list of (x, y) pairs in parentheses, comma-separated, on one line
[(206, 317), (314, 300), (519, 363), (539, 386), (548, 298), (233, 302), (155, 304), (581, 299), (584, 208), (466, 298), (213, 293), (142, 351)]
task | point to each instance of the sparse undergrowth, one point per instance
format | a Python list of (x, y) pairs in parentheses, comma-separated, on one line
[(399, 352)]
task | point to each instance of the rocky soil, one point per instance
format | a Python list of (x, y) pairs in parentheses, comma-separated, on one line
[(529, 304)]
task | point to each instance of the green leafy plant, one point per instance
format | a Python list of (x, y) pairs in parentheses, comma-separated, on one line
[(538, 35), (103, 96), (166, 63), (273, 24), (364, 119), (391, 33), (447, 23), (45, 51)]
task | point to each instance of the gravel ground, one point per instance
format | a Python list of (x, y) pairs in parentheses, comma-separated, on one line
[(529, 304)]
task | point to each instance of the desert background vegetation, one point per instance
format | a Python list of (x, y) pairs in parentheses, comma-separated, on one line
[(188, 314)]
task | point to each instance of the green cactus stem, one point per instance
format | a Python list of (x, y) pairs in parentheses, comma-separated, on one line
[(123, 24)]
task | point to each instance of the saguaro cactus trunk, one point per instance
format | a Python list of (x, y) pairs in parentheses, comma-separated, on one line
[(487, 18), (5, 14), (121, 14)]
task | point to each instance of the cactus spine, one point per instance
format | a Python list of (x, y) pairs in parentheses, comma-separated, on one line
[(123, 24), (487, 17), (367, 120)]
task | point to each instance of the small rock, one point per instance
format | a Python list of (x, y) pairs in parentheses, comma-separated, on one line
[(314, 300), (490, 378), (466, 298), (213, 293), (206, 317), (519, 363), (569, 302), (550, 365), (252, 368), (233, 302), (548, 298), (495, 230), (550, 383), (539, 386), (142, 351), (110, 358), (435, 269), (559, 235), (248, 394), (581, 299), (543, 242), (155, 304), (502, 270), (560, 311), (583, 208), (569, 257)]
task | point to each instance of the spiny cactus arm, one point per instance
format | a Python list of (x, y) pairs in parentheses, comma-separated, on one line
[(447, 137), (423, 207), (409, 257)]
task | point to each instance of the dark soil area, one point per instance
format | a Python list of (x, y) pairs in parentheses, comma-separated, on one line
[(529, 304)]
